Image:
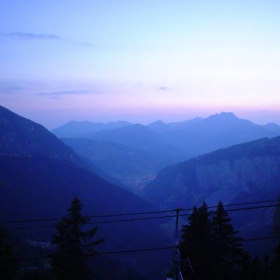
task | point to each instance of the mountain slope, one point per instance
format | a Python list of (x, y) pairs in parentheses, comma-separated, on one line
[(119, 160), (139, 137), (243, 173), (251, 168), (19, 135), (38, 187)]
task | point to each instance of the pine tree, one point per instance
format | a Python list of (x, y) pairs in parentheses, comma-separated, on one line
[(73, 245), (227, 253), (196, 243), (211, 244)]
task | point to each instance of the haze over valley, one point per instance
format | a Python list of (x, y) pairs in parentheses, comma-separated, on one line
[(135, 153)]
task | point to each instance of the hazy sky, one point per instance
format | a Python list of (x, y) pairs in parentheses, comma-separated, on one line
[(140, 60)]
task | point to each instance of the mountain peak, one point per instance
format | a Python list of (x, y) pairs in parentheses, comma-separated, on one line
[(225, 116), (158, 122), (158, 126)]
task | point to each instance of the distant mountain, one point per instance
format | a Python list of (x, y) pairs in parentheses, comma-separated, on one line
[(241, 173), (180, 125), (139, 137), (119, 160), (272, 127), (158, 126), (184, 139), (75, 129), (215, 132)]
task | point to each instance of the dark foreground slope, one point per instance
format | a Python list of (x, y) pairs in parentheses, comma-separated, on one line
[(39, 176), (42, 188)]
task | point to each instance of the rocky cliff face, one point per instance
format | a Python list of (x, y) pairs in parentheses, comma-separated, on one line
[(237, 173), (244, 173)]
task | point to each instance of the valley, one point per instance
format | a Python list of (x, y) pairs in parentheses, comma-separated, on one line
[(124, 170)]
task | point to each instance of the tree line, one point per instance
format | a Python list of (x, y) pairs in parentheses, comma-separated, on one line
[(209, 248)]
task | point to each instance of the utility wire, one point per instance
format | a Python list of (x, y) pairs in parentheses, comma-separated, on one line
[(137, 213), (92, 216), (145, 218), (241, 209), (107, 253), (99, 222), (157, 248)]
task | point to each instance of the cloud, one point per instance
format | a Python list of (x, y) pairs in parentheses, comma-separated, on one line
[(41, 37), (87, 45), (32, 36), (163, 88), (10, 88), (57, 94)]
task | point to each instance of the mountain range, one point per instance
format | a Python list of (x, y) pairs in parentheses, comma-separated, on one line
[(40, 175), (135, 150), (76, 129)]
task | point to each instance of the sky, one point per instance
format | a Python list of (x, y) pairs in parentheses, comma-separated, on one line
[(140, 60)]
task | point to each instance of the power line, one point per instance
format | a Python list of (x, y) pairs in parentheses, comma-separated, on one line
[(138, 213), (100, 222), (240, 209), (92, 216), (108, 252), (147, 218), (158, 248)]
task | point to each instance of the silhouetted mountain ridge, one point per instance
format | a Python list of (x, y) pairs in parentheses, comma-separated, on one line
[(79, 129), (215, 132), (188, 138), (138, 136)]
